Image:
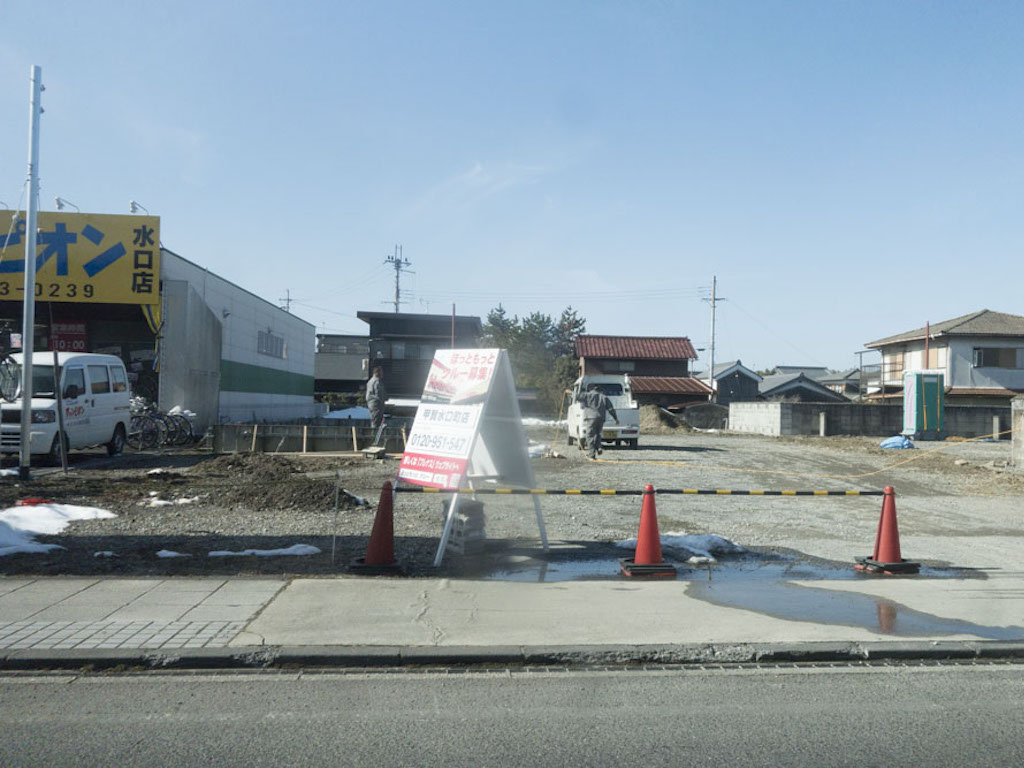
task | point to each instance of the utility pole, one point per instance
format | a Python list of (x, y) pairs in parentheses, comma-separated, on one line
[(713, 300), (287, 300), (28, 325), (399, 264)]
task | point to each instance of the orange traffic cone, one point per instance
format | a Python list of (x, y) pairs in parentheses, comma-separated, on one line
[(646, 561), (887, 558), (380, 552)]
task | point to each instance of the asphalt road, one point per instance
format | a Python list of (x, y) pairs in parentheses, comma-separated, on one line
[(949, 716)]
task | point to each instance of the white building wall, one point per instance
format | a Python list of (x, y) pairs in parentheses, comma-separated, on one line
[(964, 374), (254, 386)]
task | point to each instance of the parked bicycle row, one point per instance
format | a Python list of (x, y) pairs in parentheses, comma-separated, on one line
[(152, 428)]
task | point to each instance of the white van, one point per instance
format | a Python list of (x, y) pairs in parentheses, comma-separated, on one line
[(620, 391), (96, 401)]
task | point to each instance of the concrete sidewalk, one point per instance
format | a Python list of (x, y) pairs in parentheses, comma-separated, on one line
[(72, 622)]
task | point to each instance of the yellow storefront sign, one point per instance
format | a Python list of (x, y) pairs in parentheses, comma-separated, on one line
[(85, 257)]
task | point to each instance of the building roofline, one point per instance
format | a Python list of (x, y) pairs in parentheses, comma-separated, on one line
[(368, 315), (229, 282), (946, 328)]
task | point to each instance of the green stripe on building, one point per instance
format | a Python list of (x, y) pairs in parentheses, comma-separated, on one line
[(242, 377)]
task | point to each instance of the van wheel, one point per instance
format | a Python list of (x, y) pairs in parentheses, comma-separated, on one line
[(569, 440), (633, 444), (59, 445), (116, 445)]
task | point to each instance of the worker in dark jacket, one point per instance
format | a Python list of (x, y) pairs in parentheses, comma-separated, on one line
[(596, 406), (375, 397)]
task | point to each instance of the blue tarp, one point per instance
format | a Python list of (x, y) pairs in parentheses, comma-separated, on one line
[(896, 441)]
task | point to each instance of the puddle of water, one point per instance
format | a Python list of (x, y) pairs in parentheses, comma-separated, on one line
[(764, 584), (745, 568), (796, 602)]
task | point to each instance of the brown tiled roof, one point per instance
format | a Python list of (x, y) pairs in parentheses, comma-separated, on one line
[(955, 391), (669, 385), (982, 323), (982, 391), (635, 347)]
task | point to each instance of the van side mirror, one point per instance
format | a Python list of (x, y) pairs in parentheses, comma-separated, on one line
[(71, 391)]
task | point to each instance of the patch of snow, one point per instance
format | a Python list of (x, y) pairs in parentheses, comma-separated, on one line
[(9, 472), (193, 500), (49, 518), (170, 553), (702, 547), (536, 450), (13, 541), (295, 549), (154, 502), (104, 553), (156, 471), (531, 422), (19, 525), (359, 500)]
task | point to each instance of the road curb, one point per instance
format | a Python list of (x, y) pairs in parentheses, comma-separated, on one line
[(265, 657)]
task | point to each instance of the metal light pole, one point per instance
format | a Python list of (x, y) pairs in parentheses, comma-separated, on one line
[(28, 323)]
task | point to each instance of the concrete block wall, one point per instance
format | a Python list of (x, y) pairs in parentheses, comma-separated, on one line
[(977, 420), (757, 418), (777, 419)]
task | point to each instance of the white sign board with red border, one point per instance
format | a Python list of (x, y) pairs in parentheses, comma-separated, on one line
[(437, 451), (468, 430)]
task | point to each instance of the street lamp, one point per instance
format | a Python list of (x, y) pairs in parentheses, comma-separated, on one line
[(61, 202), (135, 207)]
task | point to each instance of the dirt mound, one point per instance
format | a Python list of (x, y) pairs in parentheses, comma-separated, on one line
[(297, 493), (655, 420), (261, 466)]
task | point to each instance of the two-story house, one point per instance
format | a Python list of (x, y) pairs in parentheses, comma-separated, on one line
[(403, 345), (981, 355), (658, 366)]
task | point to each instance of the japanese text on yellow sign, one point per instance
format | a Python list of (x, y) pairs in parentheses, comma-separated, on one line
[(84, 257)]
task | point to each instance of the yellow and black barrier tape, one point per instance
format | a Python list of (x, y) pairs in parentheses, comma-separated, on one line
[(628, 492)]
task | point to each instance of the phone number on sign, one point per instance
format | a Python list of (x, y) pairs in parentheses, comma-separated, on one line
[(51, 291), (449, 443)]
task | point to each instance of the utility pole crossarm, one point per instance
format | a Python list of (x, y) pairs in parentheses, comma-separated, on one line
[(400, 265)]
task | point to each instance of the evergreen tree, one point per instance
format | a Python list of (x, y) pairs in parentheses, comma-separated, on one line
[(542, 351)]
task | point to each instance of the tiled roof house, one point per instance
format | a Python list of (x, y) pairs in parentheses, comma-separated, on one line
[(658, 366)]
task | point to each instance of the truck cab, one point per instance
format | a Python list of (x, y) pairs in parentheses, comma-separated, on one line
[(620, 392)]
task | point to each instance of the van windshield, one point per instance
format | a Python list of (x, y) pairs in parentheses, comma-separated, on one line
[(42, 380)]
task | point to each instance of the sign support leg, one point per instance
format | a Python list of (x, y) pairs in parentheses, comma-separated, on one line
[(449, 521), (540, 524)]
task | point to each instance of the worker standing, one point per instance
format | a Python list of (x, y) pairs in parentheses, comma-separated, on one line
[(375, 397), (596, 406)]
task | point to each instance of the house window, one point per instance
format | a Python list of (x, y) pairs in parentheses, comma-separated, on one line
[(998, 357), (398, 350), (267, 343), (622, 366)]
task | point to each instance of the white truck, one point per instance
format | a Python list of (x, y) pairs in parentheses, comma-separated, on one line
[(619, 391)]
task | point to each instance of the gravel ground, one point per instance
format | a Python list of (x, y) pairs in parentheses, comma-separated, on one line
[(264, 501)]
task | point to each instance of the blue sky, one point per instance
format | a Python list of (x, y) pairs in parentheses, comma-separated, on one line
[(848, 170)]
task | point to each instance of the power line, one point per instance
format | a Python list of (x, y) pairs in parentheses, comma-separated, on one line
[(639, 294), (785, 341)]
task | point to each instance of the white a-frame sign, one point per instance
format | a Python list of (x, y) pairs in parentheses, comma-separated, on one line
[(468, 431)]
